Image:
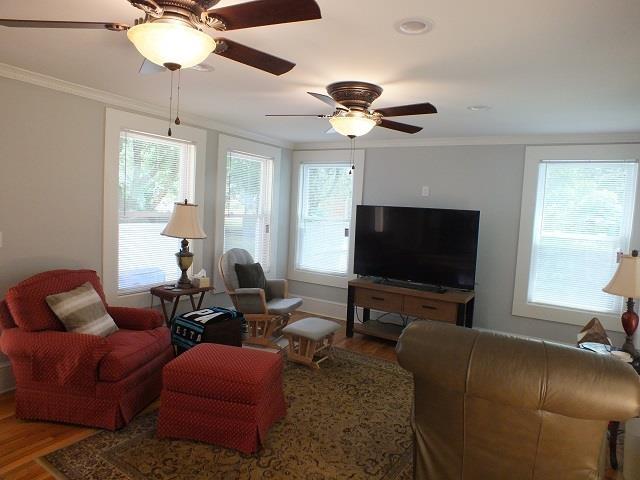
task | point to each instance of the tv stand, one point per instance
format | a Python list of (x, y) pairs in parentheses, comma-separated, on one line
[(452, 306), (416, 286)]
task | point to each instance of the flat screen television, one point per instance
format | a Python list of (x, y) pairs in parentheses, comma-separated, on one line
[(431, 246)]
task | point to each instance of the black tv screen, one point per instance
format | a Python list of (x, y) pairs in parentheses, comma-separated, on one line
[(426, 245)]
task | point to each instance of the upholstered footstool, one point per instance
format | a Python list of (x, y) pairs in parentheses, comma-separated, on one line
[(307, 338), (224, 395)]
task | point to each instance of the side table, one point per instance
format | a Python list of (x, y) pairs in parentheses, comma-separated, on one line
[(172, 294)]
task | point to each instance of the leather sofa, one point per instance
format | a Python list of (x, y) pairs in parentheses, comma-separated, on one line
[(489, 406), (77, 378)]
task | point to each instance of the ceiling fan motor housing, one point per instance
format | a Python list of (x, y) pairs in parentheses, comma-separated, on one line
[(354, 95)]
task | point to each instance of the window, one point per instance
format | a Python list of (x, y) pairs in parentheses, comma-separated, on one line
[(581, 215), (247, 200), (247, 211), (145, 174), (328, 191), (154, 174)]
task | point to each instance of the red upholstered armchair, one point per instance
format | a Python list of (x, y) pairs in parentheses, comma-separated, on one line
[(78, 378)]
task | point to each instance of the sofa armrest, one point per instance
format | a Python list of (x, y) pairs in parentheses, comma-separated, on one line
[(60, 358), (249, 300), (136, 318), (278, 288)]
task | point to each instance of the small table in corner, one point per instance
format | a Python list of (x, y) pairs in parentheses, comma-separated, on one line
[(172, 294)]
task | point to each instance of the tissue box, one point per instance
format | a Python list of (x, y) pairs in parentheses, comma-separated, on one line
[(203, 282)]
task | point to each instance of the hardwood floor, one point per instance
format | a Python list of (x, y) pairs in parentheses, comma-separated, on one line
[(22, 442)]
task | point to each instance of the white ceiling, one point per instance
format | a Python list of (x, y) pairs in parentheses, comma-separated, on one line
[(544, 66)]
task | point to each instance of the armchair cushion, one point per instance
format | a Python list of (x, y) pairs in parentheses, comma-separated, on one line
[(130, 350), (136, 318), (276, 288), (250, 300), (81, 310), (227, 266), (26, 301), (60, 358), (251, 275), (281, 306)]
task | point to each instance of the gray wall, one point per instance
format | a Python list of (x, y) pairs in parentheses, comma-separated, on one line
[(51, 185), (485, 178)]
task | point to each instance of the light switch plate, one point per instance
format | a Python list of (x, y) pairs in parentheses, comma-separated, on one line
[(425, 191)]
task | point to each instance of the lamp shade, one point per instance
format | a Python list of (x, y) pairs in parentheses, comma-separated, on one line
[(353, 123), (184, 222), (626, 280), (165, 42)]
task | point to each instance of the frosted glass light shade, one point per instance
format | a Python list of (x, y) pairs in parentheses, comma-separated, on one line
[(626, 280), (171, 42), (184, 222), (353, 124)]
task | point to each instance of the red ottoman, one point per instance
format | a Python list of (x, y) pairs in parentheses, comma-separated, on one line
[(228, 396)]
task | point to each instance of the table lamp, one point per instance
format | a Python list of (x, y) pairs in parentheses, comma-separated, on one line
[(626, 283), (184, 224)]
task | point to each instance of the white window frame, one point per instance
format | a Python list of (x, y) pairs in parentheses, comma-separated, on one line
[(115, 122), (228, 144), (323, 157), (533, 158)]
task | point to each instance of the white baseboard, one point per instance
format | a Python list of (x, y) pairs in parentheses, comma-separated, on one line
[(326, 308), (7, 382)]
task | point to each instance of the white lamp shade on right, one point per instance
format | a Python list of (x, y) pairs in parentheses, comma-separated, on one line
[(184, 222), (626, 280)]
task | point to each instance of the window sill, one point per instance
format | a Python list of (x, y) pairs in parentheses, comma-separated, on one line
[(566, 315), (338, 281)]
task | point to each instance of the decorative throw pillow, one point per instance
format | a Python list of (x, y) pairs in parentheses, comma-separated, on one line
[(81, 310), (251, 275)]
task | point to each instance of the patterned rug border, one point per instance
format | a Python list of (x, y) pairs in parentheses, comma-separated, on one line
[(387, 366)]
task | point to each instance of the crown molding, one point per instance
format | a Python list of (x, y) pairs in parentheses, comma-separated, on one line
[(568, 139), (130, 104)]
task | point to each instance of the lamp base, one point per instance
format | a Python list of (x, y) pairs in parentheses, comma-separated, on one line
[(629, 347), (184, 258)]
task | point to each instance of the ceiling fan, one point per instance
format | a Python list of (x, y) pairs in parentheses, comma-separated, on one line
[(170, 33), (353, 115)]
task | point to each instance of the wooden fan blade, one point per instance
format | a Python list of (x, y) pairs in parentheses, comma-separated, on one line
[(150, 68), (116, 27), (401, 127), (297, 115), (266, 12), (328, 100), (416, 109), (253, 58)]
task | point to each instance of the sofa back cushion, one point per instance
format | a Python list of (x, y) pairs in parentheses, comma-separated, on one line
[(27, 300)]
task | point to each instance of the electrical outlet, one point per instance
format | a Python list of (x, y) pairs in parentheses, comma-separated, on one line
[(425, 191)]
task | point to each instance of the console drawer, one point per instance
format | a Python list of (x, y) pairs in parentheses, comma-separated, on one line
[(389, 302), (430, 309)]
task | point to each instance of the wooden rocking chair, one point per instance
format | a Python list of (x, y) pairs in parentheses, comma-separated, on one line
[(267, 312)]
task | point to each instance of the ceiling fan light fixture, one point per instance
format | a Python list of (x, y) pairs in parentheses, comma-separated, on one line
[(171, 42), (354, 123)]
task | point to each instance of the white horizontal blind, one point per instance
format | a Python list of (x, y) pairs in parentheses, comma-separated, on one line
[(325, 206), (154, 173), (247, 212), (584, 214)]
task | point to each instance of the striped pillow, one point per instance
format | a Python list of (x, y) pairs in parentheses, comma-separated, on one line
[(81, 311)]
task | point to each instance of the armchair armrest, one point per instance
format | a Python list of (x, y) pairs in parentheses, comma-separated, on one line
[(278, 288), (61, 358), (136, 318), (249, 300)]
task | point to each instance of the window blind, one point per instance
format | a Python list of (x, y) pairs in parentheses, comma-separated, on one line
[(154, 173), (325, 206), (247, 212), (584, 215)]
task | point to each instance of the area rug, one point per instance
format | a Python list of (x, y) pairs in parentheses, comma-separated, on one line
[(348, 420)]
